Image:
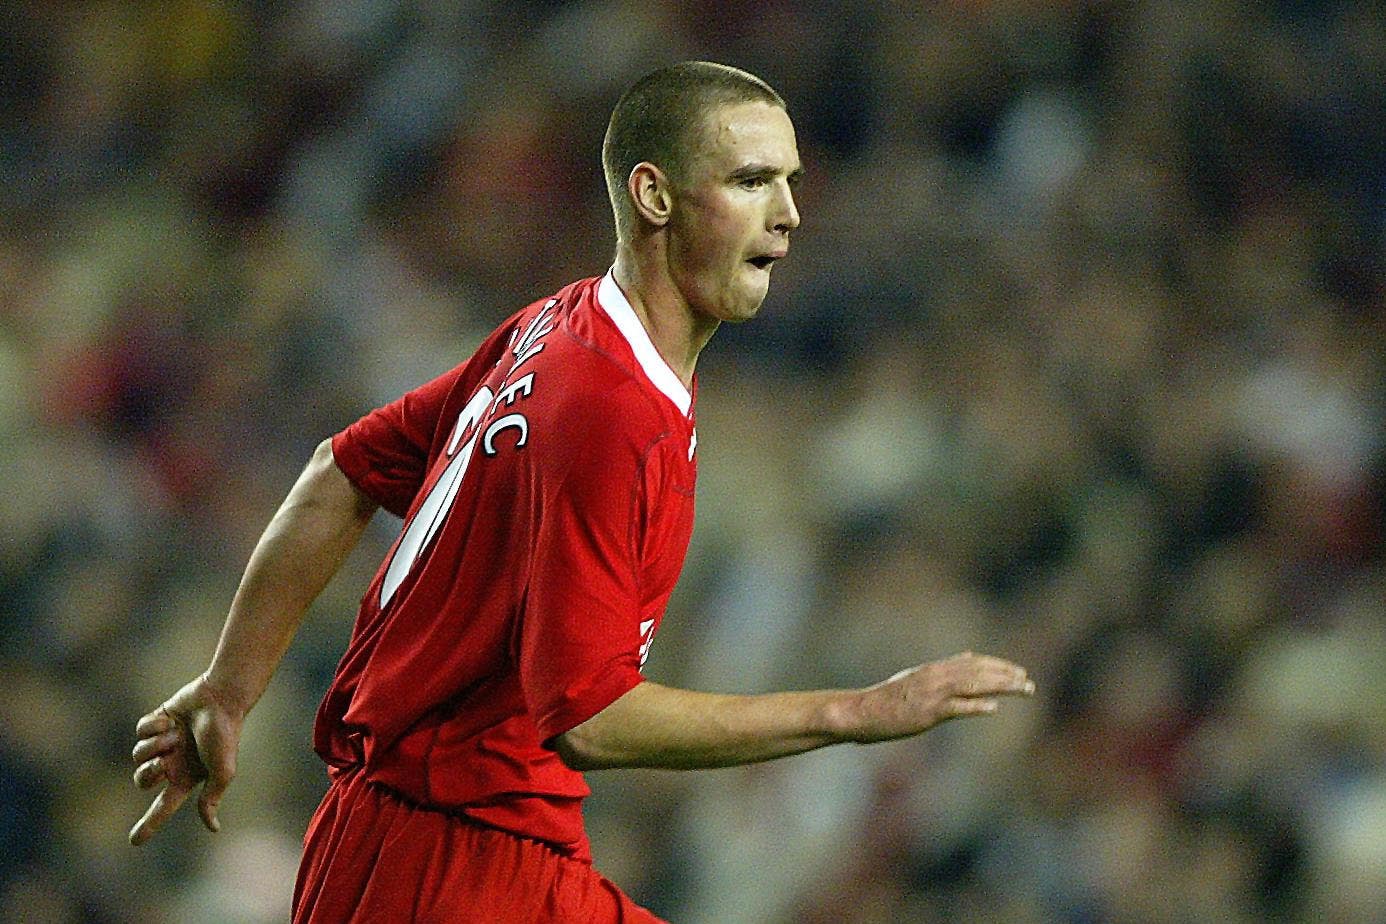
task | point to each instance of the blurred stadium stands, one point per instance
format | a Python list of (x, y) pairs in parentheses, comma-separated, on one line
[(1079, 359)]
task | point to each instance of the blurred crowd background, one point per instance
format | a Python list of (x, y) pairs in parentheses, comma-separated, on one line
[(1078, 360)]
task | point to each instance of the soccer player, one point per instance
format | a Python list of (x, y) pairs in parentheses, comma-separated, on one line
[(546, 486)]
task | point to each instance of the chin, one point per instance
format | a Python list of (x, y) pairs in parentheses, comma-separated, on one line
[(733, 303), (748, 305), (744, 315), (742, 310)]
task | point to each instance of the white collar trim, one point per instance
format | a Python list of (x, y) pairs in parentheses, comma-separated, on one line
[(618, 308)]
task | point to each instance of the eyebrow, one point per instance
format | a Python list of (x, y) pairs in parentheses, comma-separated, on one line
[(765, 171)]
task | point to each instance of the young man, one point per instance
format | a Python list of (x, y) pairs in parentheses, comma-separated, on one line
[(547, 489)]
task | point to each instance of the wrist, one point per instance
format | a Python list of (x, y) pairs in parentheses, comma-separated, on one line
[(225, 695), (840, 716)]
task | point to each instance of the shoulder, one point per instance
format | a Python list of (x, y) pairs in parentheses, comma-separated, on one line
[(595, 386), (606, 410), (583, 394)]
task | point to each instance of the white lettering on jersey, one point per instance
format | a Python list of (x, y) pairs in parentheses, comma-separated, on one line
[(522, 386), (646, 639), (529, 345), (422, 527), (516, 421), (435, 507)]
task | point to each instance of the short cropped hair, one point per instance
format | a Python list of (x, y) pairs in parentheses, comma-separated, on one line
[(657, 120)]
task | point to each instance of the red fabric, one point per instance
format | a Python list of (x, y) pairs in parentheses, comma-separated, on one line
[(548, 491), (371, 858)]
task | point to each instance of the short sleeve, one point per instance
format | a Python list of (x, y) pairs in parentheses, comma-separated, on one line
[(580, 630), (385, 453)]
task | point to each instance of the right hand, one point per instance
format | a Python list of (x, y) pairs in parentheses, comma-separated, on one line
[(917, 699), (192, 738)]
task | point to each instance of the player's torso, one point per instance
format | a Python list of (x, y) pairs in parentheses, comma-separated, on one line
[(505, 445), (439, 639)]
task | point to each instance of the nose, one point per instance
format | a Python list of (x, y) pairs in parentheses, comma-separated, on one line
[(785, 213)]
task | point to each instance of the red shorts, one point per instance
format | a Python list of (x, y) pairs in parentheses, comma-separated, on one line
[(371, 858)]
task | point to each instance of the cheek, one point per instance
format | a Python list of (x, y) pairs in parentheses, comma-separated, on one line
[(710, 239), (722, 223)]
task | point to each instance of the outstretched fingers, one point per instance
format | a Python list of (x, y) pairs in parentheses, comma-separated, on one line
[(921, 697), (159, 738), (154, 746), (155, 723), (151, 773), (961, 706), (165, 804), (978, 681), (986, 676)]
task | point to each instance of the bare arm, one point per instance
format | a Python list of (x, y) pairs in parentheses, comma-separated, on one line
[(658, 726), (309, 537), (193, 736)]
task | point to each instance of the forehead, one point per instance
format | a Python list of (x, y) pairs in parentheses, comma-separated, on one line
[(741, 133)]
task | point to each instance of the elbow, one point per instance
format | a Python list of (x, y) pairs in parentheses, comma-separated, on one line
[(331, 485), (611, 738), (322, 463), (577, 750)]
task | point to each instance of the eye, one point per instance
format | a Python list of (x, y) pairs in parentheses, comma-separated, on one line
[(752, 182)]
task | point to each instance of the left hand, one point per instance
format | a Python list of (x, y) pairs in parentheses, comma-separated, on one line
[(192, 738)]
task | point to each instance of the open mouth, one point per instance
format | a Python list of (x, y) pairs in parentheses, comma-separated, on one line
[(761, 262)]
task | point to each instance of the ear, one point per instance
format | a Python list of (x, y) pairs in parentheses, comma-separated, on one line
[(651, 193)]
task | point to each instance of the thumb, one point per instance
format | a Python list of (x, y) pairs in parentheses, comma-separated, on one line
[(212, 791), (220, 761)]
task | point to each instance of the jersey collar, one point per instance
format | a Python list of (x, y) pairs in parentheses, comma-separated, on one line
[(618, 308)]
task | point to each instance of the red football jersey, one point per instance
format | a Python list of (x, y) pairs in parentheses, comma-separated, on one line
[(547, 489)]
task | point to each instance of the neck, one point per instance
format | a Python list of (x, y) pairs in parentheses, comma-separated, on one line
[(676, 330)]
